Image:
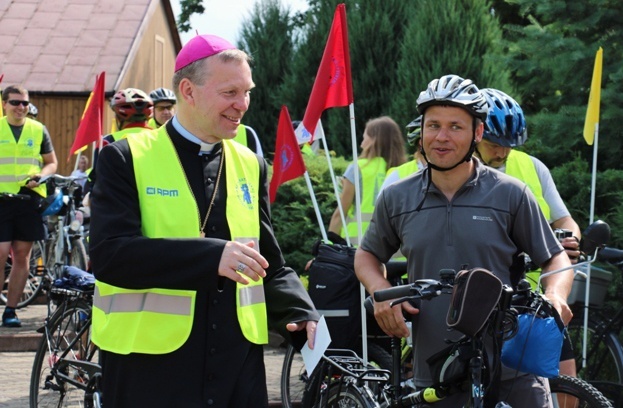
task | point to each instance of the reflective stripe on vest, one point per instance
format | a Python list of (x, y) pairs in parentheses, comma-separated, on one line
[(20, 160), (521, 166), (372, 176)]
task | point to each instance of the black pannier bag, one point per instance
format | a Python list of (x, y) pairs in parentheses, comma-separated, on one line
[(334, 289)]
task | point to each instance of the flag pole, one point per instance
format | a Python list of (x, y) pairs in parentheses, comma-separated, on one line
[(362, 289), (316, 207), (591, 136), (335, 189), (588, 266)]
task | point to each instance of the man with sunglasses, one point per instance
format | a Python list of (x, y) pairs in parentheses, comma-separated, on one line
[(26, 154)]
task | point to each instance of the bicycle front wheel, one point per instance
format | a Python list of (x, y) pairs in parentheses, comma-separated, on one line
[(65, 368), (604, 352), (32, 289), (571, 392)]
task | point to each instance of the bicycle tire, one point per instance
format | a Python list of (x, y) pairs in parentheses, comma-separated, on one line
[(604, 355), (574, 392), (48, 384), (294, 377), (348, 396), (33, 286)]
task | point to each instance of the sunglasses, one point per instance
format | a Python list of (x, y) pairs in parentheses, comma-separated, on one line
[(18, 103)]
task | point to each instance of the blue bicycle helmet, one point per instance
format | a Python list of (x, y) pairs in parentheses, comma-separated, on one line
[(52, 204), (505, 124)]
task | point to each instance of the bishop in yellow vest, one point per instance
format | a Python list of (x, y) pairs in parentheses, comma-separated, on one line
[(189, 274)]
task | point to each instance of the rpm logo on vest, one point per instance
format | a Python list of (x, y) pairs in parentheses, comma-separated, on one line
[(163, 192)]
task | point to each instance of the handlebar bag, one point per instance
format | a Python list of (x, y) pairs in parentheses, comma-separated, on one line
[(475, 295), (537, 345)]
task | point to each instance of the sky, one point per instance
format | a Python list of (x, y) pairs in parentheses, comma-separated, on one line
[(224, 17)]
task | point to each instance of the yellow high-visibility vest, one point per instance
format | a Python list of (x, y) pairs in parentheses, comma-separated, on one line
[(372, 175), (521, 166), (156, 320), (19, 160)]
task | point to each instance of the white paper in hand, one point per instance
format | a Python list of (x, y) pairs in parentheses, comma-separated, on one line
[(321, 343)]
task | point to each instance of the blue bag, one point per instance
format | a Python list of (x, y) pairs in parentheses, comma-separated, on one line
[(536, 347)]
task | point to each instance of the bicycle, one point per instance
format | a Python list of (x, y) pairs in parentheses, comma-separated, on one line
[(355, 385), (32, 289), (65, 244), (65, 370), (604, 356), (294, 378)]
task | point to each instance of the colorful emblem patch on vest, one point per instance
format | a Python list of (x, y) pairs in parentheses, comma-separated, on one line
[(30, 143), (244, 192)]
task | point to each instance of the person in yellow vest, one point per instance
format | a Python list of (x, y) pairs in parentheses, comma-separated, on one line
[(164, 101), (26, 155), (382, 147), (133, 109), (246, 136), (189, 274), (414, 131), (505, 129)]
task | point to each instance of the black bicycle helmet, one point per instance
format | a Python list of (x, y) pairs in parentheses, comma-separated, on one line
[(452, 90), (162, 95), (414, 130), (505, 124)]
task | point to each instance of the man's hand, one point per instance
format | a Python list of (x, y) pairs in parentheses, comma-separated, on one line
[(241, 261), (561, 306), (572, 248), (310, 325), (33, 181), (391, 319)]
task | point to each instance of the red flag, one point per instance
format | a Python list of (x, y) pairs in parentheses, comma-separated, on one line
[(91, 124), (333, 86), (288, 163)]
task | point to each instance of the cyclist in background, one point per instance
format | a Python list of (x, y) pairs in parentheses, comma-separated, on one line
[(164, 106), (382, 148), (414, 132), (454, 213), (505, 129), (133, 108), (26, 154)]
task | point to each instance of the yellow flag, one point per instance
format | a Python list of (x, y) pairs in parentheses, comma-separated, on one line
[(592, 113)]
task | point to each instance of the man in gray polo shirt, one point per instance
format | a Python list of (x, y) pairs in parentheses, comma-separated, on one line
[(457, 213)]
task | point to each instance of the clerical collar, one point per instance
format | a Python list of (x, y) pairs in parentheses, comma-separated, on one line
[(204, 148)]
